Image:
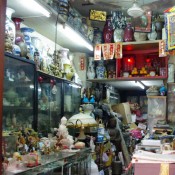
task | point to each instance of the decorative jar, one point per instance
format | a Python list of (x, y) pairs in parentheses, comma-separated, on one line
[(97, 39), (108, 31), (19, 38), (27, 37), (118, 35), (100, 70), (128, 33), (140, 36), (9, 30), (153, 34)]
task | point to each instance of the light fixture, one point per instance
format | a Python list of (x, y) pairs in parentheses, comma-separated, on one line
[(75, 36), (36, 6), (81, 121), (141, 85), (75, 86), (135, 11)]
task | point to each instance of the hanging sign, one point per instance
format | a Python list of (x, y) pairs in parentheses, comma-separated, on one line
[(111, 50), (162, 45), (118, 50), (82, 66), (97, 52), (105, 51)]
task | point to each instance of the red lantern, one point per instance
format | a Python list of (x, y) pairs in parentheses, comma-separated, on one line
[(128, 63), (40, 79)]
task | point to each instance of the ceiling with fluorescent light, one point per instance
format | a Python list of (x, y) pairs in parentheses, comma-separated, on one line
[(47, 26)]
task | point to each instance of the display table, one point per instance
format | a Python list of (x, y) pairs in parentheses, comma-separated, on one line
[(62, 163)]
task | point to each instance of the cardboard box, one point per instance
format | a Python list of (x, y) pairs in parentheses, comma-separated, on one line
[(124, 110)]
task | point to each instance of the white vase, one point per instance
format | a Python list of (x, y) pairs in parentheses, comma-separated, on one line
[(9, 24), (118, 35), (91, 68), (153, 34)]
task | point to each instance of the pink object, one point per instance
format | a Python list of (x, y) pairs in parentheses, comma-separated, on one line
[(151, 169), (136, 134)]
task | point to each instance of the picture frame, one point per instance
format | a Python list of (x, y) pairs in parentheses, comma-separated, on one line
[(170, 30), (96, 15), (143, 23)]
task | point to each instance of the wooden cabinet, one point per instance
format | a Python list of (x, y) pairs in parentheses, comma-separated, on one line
[(139, 55), (141, 61)]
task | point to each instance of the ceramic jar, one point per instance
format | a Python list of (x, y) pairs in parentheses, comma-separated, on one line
[(108, 31), (128, 33), (100, 70), (118, 35), (153, 34), (27, 37), (10, 31), (9, 24), (19, 38), (140, 36), (97, 39)]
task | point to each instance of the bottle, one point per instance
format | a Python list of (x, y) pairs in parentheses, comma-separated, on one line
[(128, 33), (108, 31)]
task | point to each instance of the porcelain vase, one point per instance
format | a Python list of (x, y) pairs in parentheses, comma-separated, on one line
[(10, 31), (118, 35), (128, 33), (97, 39), (19, 38), (27, 37), (153, 34), (100, 70), (108, 31)]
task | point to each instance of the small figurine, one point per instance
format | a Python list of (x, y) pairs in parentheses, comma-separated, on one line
[(92, 99), (85, 99), (163, 90)]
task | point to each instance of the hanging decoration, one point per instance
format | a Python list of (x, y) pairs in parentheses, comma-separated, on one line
[(82, 64), (109, 51), (97, 52), (118, 50), (162, 45)]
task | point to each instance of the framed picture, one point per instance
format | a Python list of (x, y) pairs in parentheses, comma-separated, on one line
[(143, 23), (170, 30), (97, 15)]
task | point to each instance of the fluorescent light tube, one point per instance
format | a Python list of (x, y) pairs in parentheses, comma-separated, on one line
[(140, 85), (75, 37), (35, 6)]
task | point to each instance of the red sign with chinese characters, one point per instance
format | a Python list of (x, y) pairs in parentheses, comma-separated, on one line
[(97, 52), (82, 66)]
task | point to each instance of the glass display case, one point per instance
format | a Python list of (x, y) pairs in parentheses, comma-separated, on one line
[(49, 103), (72, 98), (19, 93), (56, 98)]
